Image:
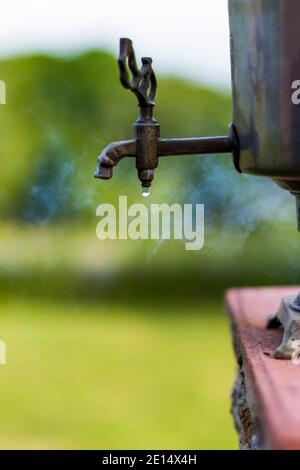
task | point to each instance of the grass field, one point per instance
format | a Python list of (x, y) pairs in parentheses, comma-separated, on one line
[(85, 375)]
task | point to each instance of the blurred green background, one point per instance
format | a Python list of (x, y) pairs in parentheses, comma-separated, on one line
[(121, 344)]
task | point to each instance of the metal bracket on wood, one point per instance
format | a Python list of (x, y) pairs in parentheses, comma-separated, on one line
[(288, 315)]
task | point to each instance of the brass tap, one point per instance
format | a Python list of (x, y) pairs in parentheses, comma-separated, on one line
[(147, 146)]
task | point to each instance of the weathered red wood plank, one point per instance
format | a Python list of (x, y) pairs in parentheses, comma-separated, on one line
[(272, 385)]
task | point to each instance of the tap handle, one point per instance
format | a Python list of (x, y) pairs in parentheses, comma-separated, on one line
[(143, 82)]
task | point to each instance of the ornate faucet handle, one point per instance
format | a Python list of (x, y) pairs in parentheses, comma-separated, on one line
[(143, 83)]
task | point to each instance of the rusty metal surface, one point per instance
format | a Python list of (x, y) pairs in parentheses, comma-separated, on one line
[(265, 58), (198, 145), (147, 138), (111, 156), (143, 83), (114, 152)]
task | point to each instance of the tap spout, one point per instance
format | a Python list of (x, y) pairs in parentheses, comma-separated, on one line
[(111, 156)]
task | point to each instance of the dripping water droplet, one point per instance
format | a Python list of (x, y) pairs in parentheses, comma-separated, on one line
[(145, 191)]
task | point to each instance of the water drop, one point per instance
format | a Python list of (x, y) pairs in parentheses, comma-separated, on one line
[(145, 191)]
